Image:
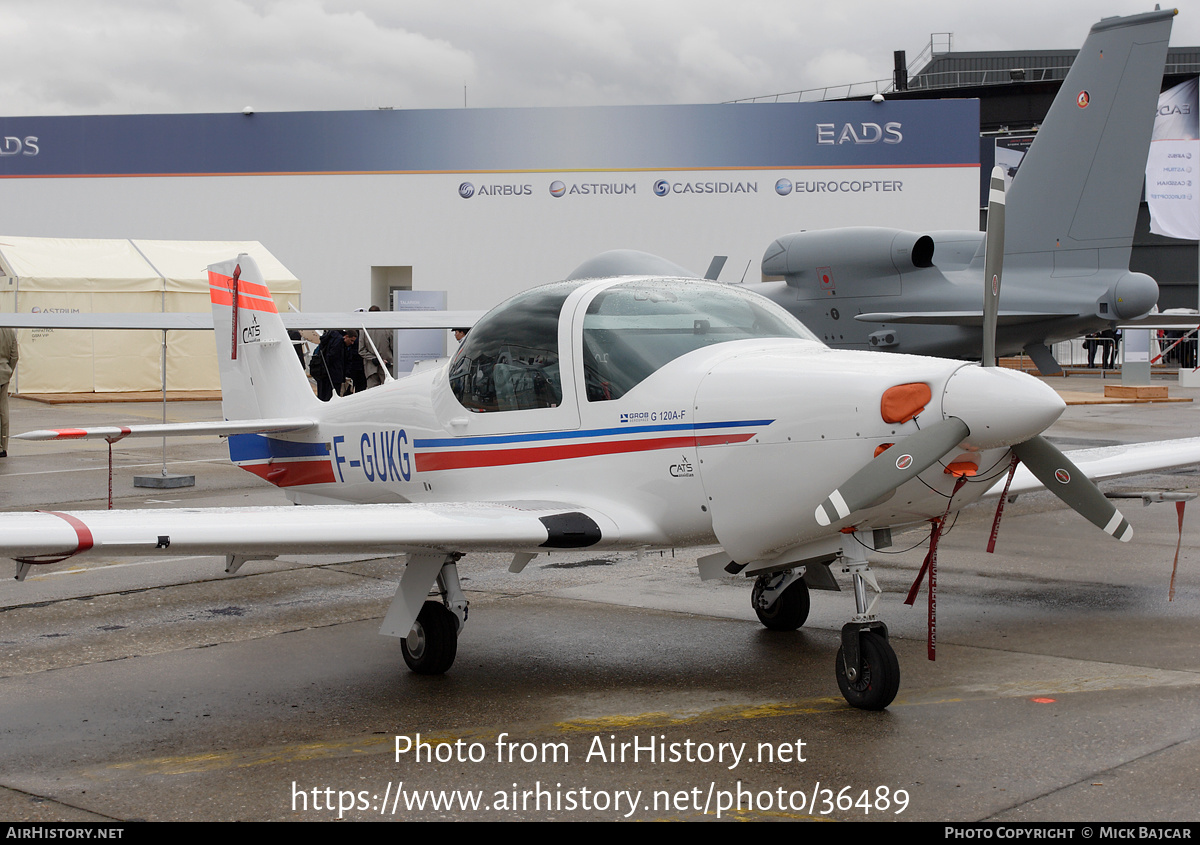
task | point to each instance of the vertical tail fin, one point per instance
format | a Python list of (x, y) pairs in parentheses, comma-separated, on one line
[(260, 374), (1076, 192)]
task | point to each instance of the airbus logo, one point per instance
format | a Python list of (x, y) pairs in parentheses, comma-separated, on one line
[(466, 190)]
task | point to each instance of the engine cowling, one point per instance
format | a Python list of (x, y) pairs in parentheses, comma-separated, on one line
[(859, 250)]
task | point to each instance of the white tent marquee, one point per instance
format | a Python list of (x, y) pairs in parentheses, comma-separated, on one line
[(93, 276)]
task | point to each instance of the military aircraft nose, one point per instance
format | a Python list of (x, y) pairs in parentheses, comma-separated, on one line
[(1000, 407)]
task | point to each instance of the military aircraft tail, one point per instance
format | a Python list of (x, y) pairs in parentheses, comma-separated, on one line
[(261, 377), (1075, 195)]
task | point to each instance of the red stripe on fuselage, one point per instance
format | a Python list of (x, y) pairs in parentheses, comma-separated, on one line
[(293, 473), (433, 461)]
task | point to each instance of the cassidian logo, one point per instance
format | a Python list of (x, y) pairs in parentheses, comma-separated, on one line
[(662, 187), (1083, 99), (783, 187), (466, 190), (557, 188)]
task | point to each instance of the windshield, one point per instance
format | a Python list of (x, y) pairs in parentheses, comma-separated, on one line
[(633, 329)]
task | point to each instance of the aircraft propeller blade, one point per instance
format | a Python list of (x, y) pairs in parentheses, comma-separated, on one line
[(1065, 480), (993, 265), (891, 468)]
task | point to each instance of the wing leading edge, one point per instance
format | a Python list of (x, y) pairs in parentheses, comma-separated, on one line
[(51, 536)]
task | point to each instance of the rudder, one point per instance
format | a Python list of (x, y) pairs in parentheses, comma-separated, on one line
[(1078, 186)]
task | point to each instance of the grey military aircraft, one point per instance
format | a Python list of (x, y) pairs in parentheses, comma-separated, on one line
[(1071, 213)]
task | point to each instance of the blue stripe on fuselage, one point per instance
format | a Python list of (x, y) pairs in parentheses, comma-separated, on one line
[(594, 432), (257, 447)]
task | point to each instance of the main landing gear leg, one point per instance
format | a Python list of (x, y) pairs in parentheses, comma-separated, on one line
[(867, 671), (429, 628)]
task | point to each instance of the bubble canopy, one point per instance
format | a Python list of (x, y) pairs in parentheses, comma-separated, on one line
[(631, 329)]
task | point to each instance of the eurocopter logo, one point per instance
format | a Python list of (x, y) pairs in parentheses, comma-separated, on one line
[(466, 190), (783, 187)]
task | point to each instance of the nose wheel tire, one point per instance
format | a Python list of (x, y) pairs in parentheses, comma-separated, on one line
[(879, 680), (790, 609), (432, 644)]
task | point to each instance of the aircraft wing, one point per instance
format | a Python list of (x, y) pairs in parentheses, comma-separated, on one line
[(188, 321), (1113, 462), (218, 428), (957, 318), (265, 532)]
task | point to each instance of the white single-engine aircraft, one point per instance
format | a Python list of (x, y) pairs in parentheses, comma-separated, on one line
[(626, 413)]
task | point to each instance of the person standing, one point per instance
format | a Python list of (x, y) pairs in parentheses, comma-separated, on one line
[(8, 364), (381, 341)]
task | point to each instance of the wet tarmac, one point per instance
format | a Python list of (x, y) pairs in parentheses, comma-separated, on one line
[(597, 686)]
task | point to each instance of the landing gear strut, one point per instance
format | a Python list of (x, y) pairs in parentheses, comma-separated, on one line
[(428, 627), (868, 673)]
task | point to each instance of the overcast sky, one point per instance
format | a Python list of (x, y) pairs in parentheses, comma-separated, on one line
[(155, 56)]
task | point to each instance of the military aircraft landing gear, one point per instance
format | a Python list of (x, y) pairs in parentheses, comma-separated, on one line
[(781, 600), (867, 671)]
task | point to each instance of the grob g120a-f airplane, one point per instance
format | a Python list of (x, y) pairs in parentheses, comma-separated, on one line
[(623, 413)]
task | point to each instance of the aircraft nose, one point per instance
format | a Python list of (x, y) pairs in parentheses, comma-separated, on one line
[(1001, 407)]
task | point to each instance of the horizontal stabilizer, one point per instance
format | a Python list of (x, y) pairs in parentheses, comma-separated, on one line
[(190, 429), (957, 318)]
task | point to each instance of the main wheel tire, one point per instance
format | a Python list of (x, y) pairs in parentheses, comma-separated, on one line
[(432, 644), (789, 611), (879, 681)]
